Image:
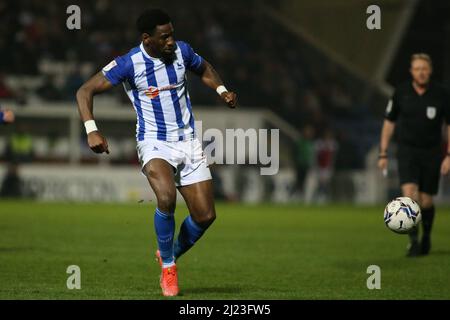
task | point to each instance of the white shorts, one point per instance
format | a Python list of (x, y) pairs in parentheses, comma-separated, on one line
[(185, 156)]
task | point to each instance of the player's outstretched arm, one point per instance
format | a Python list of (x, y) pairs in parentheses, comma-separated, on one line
[(85, 98), (211, 78)]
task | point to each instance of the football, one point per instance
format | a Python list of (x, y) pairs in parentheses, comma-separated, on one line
[(402, 214)]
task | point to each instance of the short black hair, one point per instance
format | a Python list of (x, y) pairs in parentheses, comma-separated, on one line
[(150, 18)]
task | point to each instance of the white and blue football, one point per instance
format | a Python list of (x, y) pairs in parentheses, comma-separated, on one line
[(402, 214)]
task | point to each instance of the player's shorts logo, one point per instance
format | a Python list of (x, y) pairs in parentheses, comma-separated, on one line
[(431, 112), (152, 92)]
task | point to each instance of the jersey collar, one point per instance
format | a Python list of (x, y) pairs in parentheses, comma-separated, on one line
[(429, 88), (141, 46)]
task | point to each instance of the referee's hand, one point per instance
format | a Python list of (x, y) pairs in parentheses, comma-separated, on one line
[(445, 166), (383, 163), (97, 142)]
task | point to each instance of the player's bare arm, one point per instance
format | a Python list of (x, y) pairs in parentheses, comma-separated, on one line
[(445, 167), (85, 98), (386, 135), (211, 78)]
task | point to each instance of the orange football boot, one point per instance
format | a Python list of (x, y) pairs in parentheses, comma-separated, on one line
[(169, 281)]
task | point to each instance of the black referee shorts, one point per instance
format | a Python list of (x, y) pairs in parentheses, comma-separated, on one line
[(421, 166)]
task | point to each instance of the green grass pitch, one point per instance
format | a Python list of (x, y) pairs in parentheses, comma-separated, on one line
[(251, 252)]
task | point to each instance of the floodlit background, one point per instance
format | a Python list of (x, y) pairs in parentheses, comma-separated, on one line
[(309, 68)]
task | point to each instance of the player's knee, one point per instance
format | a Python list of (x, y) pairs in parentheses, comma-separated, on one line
[(205, 217), (167, 201), (426, 202), (411, 191)]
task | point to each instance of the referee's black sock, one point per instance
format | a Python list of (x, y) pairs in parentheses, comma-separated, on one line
[(414, 247), (427, 221), (413, 235)]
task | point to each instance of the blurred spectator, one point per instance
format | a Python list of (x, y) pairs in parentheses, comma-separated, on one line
[(72, 83), (20, 146), (21, 97), (304, 155), (267, 65), (11, 186), (5, 91), (219, 191), (319, 178), (49, 91)]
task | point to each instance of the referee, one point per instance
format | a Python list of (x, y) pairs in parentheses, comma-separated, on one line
[(416, 113)]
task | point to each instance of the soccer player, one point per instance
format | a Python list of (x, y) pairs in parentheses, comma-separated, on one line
[(6, 116), (416, 112), (154, 77)]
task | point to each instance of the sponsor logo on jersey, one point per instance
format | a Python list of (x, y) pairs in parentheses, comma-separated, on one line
[(153, 92)]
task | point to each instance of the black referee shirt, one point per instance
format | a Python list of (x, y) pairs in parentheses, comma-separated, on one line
[(419, 118)]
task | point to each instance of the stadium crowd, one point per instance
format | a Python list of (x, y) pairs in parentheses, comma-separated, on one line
[(267, 65)]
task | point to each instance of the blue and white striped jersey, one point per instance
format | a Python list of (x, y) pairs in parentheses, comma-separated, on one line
[(157, 91)]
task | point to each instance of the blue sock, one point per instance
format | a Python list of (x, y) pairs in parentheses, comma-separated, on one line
[(165, 230), (190, 232)]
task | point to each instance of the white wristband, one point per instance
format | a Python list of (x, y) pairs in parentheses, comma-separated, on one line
[(90, 126), (221, 89)]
